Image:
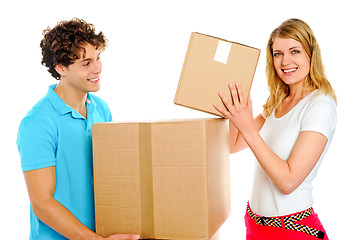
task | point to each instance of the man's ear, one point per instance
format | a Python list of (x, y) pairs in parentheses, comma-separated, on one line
[(61, 70)]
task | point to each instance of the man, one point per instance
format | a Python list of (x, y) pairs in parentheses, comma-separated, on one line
[(55, 138)]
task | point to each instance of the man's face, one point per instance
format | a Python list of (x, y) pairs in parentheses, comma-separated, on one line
[(84, 74)]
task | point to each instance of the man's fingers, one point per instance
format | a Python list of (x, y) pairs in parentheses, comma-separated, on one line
[(124, 237)]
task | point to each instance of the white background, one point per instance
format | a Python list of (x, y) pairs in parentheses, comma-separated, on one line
[(142, 65)]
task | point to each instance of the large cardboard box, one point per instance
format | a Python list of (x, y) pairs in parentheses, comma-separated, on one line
[(210, 64), (162, 180)]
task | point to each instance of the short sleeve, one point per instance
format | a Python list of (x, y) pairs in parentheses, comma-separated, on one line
[(36, 143), (320, 116)]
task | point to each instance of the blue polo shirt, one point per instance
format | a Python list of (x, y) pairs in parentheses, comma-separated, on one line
[(54, 134)]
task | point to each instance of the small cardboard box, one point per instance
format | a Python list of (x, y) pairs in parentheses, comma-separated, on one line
[(210, 64), (162, 180)]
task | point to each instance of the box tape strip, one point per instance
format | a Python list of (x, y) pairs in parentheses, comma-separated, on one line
[(146, 180)]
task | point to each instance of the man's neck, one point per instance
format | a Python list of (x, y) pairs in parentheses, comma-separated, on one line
[(72, 97)]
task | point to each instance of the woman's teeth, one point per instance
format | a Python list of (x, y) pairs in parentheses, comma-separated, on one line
[(289, 70)]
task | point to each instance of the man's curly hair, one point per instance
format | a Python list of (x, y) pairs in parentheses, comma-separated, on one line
[(63, 44)]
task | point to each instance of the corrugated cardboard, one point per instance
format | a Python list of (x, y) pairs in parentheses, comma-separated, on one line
[(162, 180), (210, 64)]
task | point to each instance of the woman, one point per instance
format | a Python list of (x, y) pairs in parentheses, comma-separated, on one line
[(290, 138)]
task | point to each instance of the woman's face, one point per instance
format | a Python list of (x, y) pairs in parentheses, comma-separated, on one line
[(291, 61)]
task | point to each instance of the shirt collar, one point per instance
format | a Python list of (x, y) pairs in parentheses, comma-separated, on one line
[(61, 107), (90, 100)]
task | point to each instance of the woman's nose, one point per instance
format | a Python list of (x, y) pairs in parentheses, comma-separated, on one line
[(286, 59)]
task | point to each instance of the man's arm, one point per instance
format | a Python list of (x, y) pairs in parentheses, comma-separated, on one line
[(41, 186)]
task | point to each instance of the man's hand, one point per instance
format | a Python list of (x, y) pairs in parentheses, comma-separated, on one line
[(123, 237)]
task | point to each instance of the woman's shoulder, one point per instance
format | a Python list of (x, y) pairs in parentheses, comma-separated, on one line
[(320, 98), (319, 114)]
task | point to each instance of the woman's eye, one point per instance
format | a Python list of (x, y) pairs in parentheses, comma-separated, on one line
[(295, 51), (277, 54)]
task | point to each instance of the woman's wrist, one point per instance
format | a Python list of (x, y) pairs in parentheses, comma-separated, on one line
[(250, 136)]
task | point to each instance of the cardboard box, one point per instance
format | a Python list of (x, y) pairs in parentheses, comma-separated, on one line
[(162, 180), (210, 65)]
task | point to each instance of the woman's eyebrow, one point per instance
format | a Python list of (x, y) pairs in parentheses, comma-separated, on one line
[(294, 47)]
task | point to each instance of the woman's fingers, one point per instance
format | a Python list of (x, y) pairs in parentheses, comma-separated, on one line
[(240, 93), (250, 105), (226, 104), (237, 98), (234, 93), (221, 110), (225, 101)]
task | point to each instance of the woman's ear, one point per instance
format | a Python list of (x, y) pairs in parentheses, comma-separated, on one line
[(61, 70)]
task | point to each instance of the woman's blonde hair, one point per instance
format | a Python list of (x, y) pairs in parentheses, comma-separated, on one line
[(316, 79)]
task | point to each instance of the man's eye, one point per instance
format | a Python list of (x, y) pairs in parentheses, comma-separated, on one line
[(87, 64)]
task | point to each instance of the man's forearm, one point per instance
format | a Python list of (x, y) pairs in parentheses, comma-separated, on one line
[(55, 215)]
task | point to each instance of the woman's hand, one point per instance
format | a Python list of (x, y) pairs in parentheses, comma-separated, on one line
[(240, 112)]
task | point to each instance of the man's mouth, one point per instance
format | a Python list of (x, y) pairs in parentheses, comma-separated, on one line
[(93, 79), (289, 70)]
